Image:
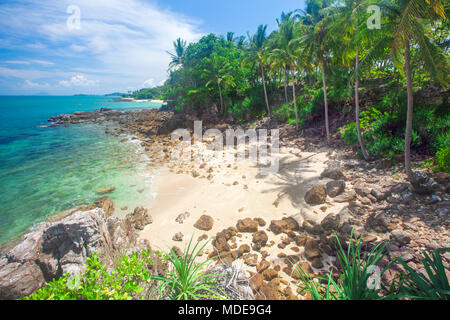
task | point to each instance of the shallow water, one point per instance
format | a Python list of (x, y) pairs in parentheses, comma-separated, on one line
[(45, 170)]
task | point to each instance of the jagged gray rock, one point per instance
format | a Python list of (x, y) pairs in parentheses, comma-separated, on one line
[(58, 247)]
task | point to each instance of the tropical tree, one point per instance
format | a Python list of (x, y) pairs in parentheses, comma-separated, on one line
[(286, 52), (316, 44), (178, 57), (255, 55), (219, 72), (348, 23), (406, 25)]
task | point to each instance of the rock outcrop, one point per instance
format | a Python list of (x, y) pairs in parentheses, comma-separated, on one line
[(62, 246)]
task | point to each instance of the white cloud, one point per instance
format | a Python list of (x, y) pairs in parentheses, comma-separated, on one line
[(149, 83), (78, 81), (31, 84), (123, 42)]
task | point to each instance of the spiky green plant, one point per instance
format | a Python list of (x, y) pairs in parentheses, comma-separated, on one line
[(354, 281), (433, 285), (185, 279)]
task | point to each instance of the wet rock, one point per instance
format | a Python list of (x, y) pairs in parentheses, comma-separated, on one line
[(106, 204), (335, 188), (316, 195), (105, 190), (204, 223), (247, 225)]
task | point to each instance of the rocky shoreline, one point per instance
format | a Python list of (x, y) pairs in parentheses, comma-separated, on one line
[(376, 200)]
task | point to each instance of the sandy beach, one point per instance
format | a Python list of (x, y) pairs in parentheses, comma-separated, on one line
[(237, 191)]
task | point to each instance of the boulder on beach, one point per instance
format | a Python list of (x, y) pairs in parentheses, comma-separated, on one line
[(316, 195), (204, 223)]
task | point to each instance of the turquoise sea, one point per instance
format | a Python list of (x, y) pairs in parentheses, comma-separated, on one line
[(45, 170)]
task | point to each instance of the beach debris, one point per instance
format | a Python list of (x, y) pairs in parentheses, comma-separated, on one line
[(182, 216)]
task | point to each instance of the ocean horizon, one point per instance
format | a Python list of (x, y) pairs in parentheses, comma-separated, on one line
[(45, 170)]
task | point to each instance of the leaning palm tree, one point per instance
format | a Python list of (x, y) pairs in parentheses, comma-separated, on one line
[(407, 22), (255, 55), (179, 46)]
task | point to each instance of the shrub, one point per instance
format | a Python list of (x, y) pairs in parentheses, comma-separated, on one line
[(433, 285), (354, 281), (443, 159), (185, 280), (125, 282)]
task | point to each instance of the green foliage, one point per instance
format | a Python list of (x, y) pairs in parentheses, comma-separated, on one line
[(433, 285), (356, 268), (147, 93), (125, 282), (443, 159), (185, 279)]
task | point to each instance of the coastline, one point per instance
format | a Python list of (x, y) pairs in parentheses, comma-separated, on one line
[(264, 224)]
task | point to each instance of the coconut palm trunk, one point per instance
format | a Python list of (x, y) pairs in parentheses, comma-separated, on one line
[(295, 99), (409, 116), (327, 126), (222, 108), (358, 125), (286, 85), (269, 111)]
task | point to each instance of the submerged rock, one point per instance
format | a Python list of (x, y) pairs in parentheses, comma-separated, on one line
[(105, 190)]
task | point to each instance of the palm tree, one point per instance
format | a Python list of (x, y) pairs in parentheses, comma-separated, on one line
[(219, 72), (406, 21), (316, 44), (255, 54), (179, 46), (286, 52), (230, 36), (346, 23)]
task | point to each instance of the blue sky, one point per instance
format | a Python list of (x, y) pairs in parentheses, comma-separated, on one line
[(115, 45)]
